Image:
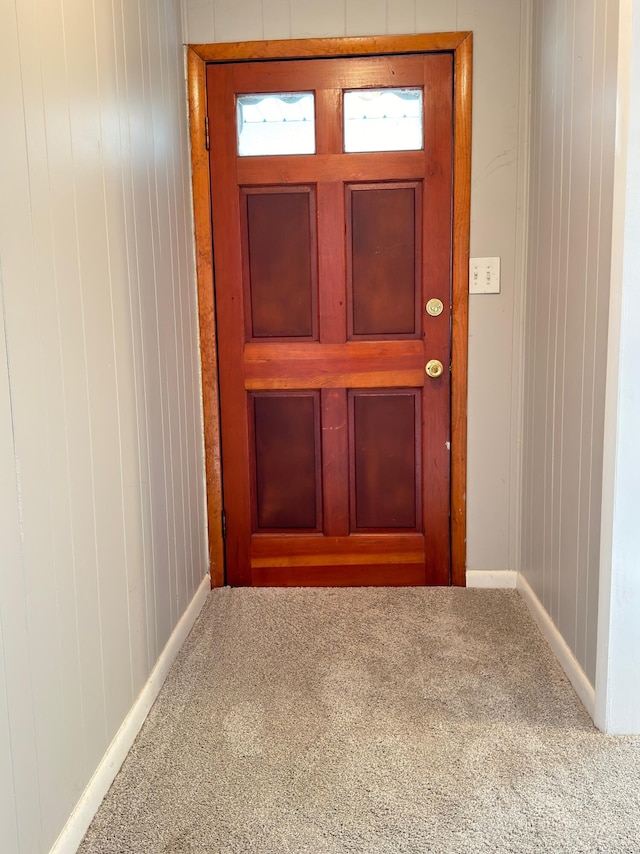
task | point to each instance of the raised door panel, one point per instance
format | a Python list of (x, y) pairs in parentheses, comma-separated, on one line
[(385, 482), (286, 450), (279, 263), (384, 260)]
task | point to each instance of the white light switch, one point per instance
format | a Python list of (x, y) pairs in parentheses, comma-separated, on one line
[(484, 275)]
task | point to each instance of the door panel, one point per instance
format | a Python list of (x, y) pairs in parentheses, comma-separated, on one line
[(334, 440), (286, 430), (386, 473), (383, 260), (280, 263)]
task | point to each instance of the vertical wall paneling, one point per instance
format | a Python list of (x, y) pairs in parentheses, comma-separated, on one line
[(617, 685), (67, 388), (563, 108), (523, 203), (168, 98), (101, 260), (315, 19), (117, 186), (137, 233), (533, 198), (500, 97), (600, 313), (200, 21), (276, 19), (28, 260), (401, 17), (365, 16), (432, 16), (8, 813), (572, 154), (153, 322), (101, 458), (576, 312), (234, 18), (18, 779)]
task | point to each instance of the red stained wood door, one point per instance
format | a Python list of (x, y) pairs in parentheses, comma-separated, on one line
[(335, 441)]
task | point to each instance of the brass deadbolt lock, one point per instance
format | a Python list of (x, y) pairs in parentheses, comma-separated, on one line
[(434, 368)]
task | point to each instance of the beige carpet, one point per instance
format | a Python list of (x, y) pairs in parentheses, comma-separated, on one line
[(370, 720)]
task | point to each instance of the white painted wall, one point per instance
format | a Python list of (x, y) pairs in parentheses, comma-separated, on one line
[(618, 661), (102, 539), (572, 157), (500, 92)]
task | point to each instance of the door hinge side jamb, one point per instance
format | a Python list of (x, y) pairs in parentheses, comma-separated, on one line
[(206, 132)]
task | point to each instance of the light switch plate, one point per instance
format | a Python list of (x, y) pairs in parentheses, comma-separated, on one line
[(484, 275)]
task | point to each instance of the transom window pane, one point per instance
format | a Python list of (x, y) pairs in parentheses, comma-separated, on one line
[(282, 123), (383, 120)]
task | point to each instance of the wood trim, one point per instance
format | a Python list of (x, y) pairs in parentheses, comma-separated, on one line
[(461, 44), (206, 311), (326, 48), (460, 324)]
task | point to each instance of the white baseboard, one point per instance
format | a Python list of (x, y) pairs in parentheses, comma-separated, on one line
[(568, 661), (84, 811), (493, 579)]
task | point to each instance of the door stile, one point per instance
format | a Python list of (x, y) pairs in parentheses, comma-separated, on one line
[(437, 240), (226, 209)]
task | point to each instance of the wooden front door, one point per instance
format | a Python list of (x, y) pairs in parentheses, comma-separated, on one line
[(335, 439)]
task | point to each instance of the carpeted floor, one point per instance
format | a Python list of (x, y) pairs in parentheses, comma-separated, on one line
[(371, 720)]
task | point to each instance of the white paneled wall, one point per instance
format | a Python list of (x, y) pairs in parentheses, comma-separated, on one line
[(226, 20), (102, 538), (500, 92), (573, 146), (618, 661)]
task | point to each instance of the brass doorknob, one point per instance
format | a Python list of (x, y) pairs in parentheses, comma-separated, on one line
[(434, 307), (434, 368)]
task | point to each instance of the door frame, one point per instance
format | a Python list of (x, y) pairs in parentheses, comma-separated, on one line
[(460, 45)]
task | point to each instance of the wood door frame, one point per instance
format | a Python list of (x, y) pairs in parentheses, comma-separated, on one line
[(460, 44)]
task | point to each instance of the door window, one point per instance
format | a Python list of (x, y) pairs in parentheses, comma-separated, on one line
[(282, 123), (383, 120)]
